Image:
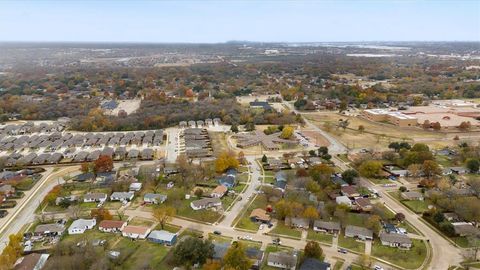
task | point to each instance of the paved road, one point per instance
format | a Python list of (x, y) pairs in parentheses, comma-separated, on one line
[(255, 181), (24, 212)]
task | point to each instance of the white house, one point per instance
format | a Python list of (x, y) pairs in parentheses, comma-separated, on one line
[(154, 198), (282, 260), (205, 203), (135, 186), (95, 197), (122, 196), (343, 200), (80, 225), (135, 232)]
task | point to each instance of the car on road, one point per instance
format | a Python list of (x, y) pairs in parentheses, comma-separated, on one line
[(342, 250), (217, 232), (262, 226), (277, 241), (376, 267)]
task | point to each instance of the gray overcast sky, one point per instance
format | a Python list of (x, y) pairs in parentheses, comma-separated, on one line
[(219, 21)]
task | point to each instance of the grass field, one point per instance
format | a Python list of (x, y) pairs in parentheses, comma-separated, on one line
[(320, 237), (376, 135), (184, 210), (417, 206), (351, 244), (282, 229), (410, 259)]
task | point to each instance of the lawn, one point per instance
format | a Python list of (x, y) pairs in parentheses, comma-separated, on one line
[(253, 244), (184, 210), (320, 237), (169, 227), (219, 238), (143, 254), (138, 221), (410, 259), (417, 206), (356, 219), (239, 188), (351, 244), (25, 184), (338, 265), (282, 229), (244, 222)]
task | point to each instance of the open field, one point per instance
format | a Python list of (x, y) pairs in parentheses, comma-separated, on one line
[(376, 135)]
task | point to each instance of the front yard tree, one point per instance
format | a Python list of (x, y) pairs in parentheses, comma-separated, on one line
[(236, 258), (226, 160), (103, 164), (313, 250), (163, 214), (370, 168), (234, 128), (349, 176), (198, 192), (100, 214), (192, 250), (373, 223), (430, 168), (310, 213), (264, 159), (400, 217)]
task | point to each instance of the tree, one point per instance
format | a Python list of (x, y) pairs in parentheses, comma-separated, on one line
[(283, 209), (264, 159), (103, 164), (373, 223), (234, 128), (163, 214), (349, 176), (465, 125), (86, 167), (310, 213), (321, 173), (100, 214), (226, 160), (436, 126), (361, 128), (400, 217), (430, 168), (323, 150), (473, 165), (402, 188), (426, 124), (370, 168), (250, 126), (313, 250), (287, 132), (192, 250), (235, 258), (198, 192)]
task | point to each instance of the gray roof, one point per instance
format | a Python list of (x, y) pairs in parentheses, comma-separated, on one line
[(328, 225), (395, 238), (206, 201), (282, 258), (162, 235), (159, 197), (95, 196), (49, 228), (356, 230)]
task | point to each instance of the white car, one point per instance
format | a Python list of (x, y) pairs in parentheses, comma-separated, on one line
[(376, 267)]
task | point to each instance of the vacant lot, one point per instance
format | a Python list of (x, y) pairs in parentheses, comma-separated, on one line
[(376, 135), (283, 229), (351, 244), (320, 237)]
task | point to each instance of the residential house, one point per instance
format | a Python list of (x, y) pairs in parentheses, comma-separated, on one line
[(154, 198), (163, 237), (260, 215), (296, 222), (135, 186), (122, 196), (395, 240), (32, 261), (364, 204), (219, 250), (52, 229), (84, 177), (80, 225), (465, 229), (229, 179), (343, 200), (7, 190), (358, 232), (219, 191), (282, 260), (112, 226), (314, 264), (350, 191), (205, 203), (412, 196), (255, 255), (135, 232), (95, 197), (326, 226)]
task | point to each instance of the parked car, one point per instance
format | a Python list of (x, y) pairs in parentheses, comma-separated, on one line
[(217, 232), (376, 267), (342, 250)]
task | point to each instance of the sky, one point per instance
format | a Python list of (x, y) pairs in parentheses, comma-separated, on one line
[(221, 21)]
